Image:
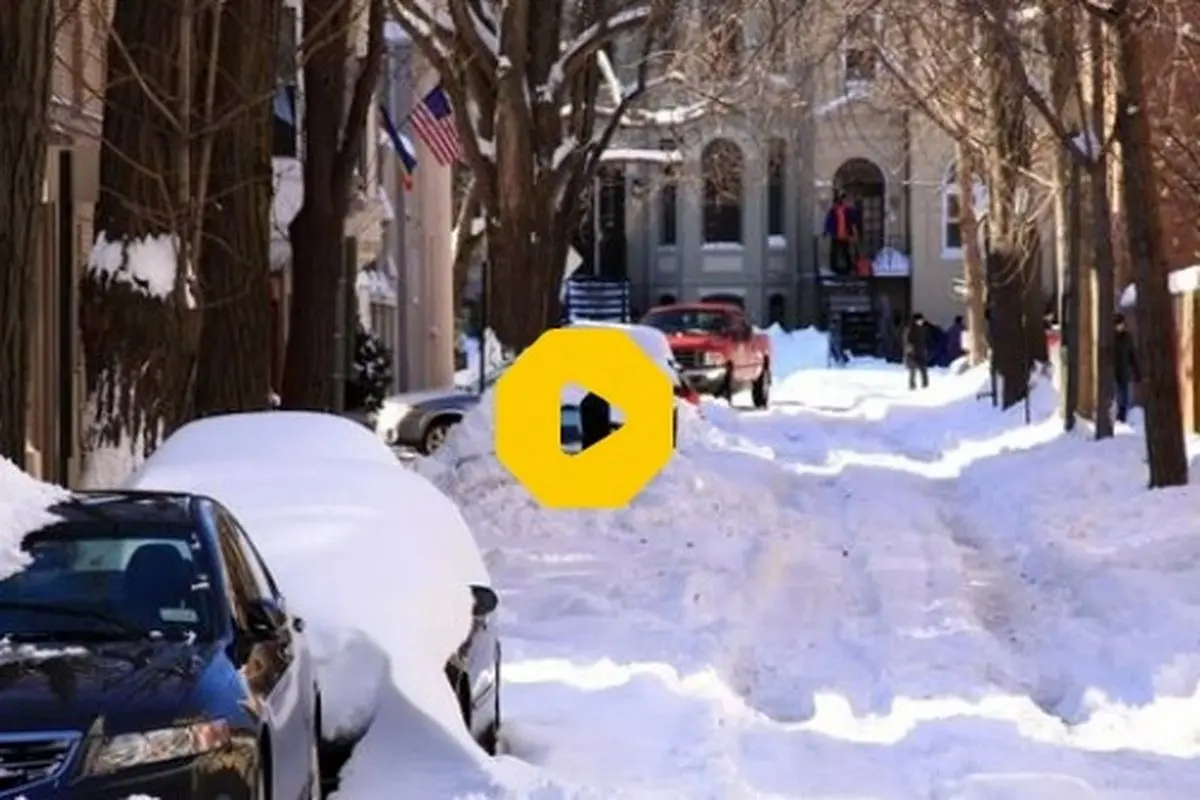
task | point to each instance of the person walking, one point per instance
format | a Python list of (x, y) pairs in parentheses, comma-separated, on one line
[(1126, 370), (916, 351), (954, 339), (837, 355), (841, 226)]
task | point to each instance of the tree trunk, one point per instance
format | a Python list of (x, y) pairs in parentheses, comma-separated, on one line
[(974, 277), (1085, 303), (1012, 264), (138, 314), (26, 59), (1102, 304), (519, 318), (333, 134), (317, 250), (1158, 350), (233, 367)]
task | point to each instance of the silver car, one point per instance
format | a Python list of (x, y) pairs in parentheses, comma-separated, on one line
[(421, 420)]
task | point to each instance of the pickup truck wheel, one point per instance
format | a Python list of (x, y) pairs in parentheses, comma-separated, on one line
[(725, 391), (760, 392)]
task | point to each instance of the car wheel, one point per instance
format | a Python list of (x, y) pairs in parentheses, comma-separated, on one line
[(314, 769), (435, 436), (761, 390), (725, 392), (262, 786), (491, 737)]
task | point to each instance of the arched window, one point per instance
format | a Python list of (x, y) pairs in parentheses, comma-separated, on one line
[(865, 188), (723, 166)]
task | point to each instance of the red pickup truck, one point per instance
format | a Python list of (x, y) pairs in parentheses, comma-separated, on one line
[(717, 348)]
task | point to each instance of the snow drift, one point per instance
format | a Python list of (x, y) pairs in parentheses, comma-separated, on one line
[(24, 507)]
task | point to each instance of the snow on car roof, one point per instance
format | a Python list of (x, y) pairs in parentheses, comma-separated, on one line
[(272, 436), (652, 341)]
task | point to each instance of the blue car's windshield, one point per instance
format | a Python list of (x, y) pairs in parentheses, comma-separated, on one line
[(101, 580)]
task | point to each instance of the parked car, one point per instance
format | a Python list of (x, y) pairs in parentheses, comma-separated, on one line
[(146, 650), (421, 420), (339, 504), (717, 348)]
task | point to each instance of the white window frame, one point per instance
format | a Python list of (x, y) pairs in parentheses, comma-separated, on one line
[(948, 190)]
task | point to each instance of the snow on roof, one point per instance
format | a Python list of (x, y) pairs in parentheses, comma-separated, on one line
[(24, 507), (370, 553), (639, 154), (1181, 281)]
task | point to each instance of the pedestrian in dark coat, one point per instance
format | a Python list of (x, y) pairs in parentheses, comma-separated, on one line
[(916, 351), (954, 337), (1126, 370)]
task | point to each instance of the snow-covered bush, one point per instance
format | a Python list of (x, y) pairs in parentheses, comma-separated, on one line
[(371, 379)]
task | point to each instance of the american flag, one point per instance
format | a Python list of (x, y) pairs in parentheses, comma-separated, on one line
[(433, 120)]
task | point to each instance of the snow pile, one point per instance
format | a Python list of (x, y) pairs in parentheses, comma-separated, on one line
[(372, 555), (24, 504), (792, 351)]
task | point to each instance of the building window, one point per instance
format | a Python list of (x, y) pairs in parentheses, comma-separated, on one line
[(724, 40), (860, 59), (723, 167), (952, 210), (668, 200), (776, 183)]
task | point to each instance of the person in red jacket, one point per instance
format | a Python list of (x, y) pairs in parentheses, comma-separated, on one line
[(841, 226)]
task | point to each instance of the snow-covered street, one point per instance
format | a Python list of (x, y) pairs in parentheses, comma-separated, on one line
[(862, 592)]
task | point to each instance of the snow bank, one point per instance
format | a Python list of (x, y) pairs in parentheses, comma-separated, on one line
[(24, 504), (792, 351), (1103, 587), (373, 556)]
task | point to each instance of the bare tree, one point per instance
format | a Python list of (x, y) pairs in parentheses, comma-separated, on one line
[(26, 61), (140, 312), (527, 86), (333, 136), (934, 56), (233, 361), (1166, 451)]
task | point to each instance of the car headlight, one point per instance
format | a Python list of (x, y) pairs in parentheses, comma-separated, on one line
[(712, 358), (149, 747)]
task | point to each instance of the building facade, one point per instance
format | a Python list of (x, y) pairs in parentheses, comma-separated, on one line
[(746, 220), (55, 391)]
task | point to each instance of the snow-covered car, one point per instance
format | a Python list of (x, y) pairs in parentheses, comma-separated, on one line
[(378, 561)]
